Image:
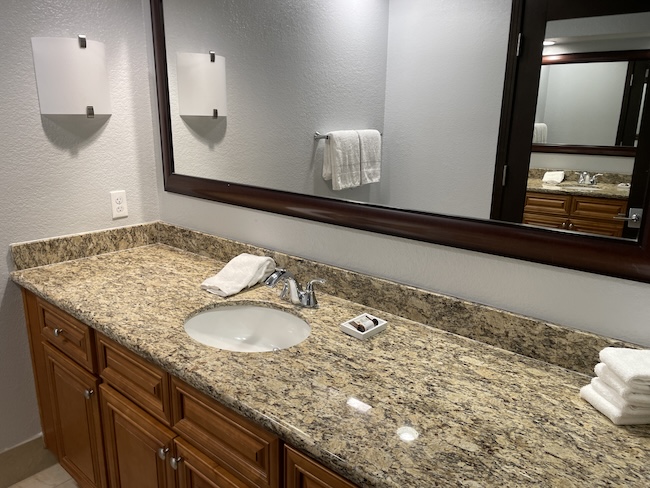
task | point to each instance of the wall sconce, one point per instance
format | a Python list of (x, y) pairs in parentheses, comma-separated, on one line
[(71, 76), (201, 84)]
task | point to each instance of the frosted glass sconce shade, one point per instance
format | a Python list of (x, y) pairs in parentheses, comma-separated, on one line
[(201, 84), (71, 79)]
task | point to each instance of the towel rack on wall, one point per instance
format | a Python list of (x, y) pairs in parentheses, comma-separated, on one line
[(318, 136)]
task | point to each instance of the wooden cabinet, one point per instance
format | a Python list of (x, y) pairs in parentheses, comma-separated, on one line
[(75, 410), (248, 451), (137, 445), (303, 472), (575, 213), (114, 419)]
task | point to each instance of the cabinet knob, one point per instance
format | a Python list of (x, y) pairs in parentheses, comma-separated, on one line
[(162, 452), (174, 462), (58, 332), (88, 393)]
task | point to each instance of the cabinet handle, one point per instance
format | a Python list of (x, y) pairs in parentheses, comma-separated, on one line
[(162, 452), (564, 225), (174, 461), (88, 393), (571, 226), (58, 332)]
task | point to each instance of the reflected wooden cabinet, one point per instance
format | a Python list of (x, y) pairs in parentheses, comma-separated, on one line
[(590, 215), (114, 419)]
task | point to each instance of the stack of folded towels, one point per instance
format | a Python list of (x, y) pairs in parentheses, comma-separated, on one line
[(621, 388)]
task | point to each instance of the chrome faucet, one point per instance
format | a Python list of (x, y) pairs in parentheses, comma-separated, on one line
[(585, 179), (292, 290)]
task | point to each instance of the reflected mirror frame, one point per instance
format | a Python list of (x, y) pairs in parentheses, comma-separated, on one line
[(613, 257), (590, 57)]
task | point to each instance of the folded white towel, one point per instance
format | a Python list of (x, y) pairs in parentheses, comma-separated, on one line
[(553, 177), (342, 159), (241, 272), (370, 149), (540, 132), (631, 365), (630, 395), (611, 411), (609, 394)]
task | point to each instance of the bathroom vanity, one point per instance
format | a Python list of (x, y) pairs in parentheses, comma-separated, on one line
[(126, 396)]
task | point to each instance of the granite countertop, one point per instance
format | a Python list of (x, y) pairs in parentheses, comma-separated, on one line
[(485, 416), (600, 190)]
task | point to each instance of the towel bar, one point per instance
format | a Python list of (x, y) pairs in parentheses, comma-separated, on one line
[(318, 135)]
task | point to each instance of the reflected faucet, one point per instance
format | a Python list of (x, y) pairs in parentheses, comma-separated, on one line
[(585, 179), (292, 290)]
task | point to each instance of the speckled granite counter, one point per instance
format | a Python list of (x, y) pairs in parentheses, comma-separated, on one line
[(486, 416), (601, 190)]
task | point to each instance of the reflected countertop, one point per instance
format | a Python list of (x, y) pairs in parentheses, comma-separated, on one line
[(485, 416), (599, 190)]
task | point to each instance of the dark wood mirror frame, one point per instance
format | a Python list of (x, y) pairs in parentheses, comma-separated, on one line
[(613, 257), (596, 57)]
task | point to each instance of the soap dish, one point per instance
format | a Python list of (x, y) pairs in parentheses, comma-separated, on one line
[(351, 330)]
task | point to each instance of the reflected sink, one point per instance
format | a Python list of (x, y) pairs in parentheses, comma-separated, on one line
[(247, 328), (580, 188)]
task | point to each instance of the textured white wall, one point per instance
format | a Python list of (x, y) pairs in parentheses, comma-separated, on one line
[(56, 178)]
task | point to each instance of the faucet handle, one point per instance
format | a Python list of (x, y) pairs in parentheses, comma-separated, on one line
[(310, 285), (594, 178), (308, 297)]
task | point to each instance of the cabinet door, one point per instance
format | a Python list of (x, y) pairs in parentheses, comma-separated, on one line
[(302, 472), (75, 407), (138, 446), (196, 470)]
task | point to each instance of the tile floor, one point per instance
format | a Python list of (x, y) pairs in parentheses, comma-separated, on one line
[(52, 477)]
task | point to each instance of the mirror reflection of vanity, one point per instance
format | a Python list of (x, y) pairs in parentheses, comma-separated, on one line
[(283, 141), (589, 103)]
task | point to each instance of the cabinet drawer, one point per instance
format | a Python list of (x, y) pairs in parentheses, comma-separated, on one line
[(246, 450), (302, 472), (196, 470), (548, 204), (140, 381), (599, 227), (67, 334), (597, 208)]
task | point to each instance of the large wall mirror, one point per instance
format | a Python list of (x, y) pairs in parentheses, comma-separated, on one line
[(294, 70)]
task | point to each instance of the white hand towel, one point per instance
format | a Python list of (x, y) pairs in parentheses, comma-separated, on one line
[(241, 272), (370, 149), (609, 394), (631, 365), (612, 412), (630, 395), (540, 133), (553, 177), (341, 159)]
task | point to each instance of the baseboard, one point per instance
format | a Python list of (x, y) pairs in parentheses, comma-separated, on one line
[(23, 461)]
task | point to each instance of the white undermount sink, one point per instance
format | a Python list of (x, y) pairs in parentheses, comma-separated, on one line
[(247, 328)]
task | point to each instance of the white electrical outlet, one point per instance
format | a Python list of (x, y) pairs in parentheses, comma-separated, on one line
[(118, 204)]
